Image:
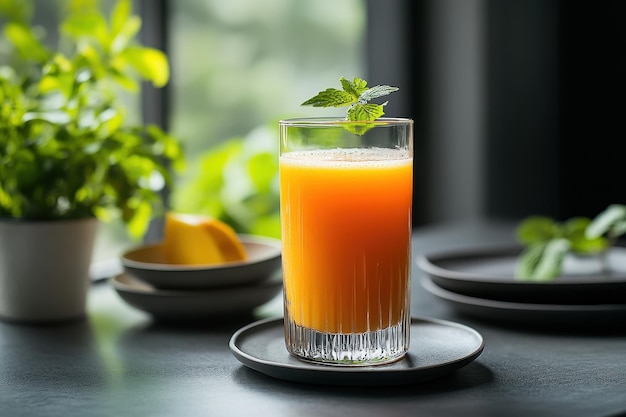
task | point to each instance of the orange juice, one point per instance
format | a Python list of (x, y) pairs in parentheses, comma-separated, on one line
[(346, 224)]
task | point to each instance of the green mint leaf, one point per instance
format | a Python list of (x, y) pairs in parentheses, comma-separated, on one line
[(331, 97), (537, 229), (375, 92), (358, 128), (528, 260), (610, 221), (574, 230), (356, 87), (365, 112), (547, 242), (542, 261), (356, 95), (552, 259)]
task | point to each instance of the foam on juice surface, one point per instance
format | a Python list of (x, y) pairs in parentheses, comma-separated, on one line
[(338, 158)]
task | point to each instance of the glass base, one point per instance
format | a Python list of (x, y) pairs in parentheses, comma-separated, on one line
[(356, 349)]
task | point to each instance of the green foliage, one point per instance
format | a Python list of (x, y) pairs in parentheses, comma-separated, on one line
[(66, 150), (237, 182), (543, 261), (356, 95), (537, 229), (547, 242), (611, 223)]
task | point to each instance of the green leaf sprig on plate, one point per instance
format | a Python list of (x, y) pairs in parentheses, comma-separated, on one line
[(357, 96), (547, 242), (610, 223)]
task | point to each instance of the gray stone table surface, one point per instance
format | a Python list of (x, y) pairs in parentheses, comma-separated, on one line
[(118, 362)]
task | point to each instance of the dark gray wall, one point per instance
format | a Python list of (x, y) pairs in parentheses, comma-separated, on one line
[(518, 103)]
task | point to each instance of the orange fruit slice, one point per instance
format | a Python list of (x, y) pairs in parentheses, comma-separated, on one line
[(193, 239)]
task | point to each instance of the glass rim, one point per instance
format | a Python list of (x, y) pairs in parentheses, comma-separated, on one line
[(341, 121)]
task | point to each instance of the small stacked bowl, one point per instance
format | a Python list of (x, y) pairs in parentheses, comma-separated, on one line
[(201, 292)]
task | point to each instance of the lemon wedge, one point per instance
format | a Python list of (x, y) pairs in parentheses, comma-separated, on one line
[(193, 239)]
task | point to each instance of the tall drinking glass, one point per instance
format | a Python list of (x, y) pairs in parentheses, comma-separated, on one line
[(345, 200)]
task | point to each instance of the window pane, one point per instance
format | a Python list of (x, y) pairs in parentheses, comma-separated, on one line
[(238, 67)]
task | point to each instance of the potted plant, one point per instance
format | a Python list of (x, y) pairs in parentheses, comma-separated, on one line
[(68, 155)]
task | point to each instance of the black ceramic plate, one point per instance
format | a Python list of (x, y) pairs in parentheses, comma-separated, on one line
[(437, 348), (570, 315), (489, 273)]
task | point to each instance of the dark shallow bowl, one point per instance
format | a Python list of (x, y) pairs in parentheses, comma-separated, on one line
[(196, 305)]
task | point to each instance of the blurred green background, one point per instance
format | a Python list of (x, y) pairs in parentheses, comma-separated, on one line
[(237, 67)]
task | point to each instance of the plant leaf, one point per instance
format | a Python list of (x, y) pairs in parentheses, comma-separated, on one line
[(365, 112), (536, 229), (604, 222), (119, 15), (331, 97), (24, 40), (355, 88), (138, 223), (116, 71), (150, 63), (356, 95), (90, 24), (542, 261), (17, 10), (122, 38), (375, 92), (358, 128), (528, 260), (261, 169), (574, 231)]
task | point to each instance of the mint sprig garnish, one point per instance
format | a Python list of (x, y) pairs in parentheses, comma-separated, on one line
[(357, 96), (547, 242), (610, 223)]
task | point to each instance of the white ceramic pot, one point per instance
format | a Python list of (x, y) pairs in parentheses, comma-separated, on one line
[(44, 269)]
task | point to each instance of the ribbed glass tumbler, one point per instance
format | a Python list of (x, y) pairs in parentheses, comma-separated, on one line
[(346, 201)]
